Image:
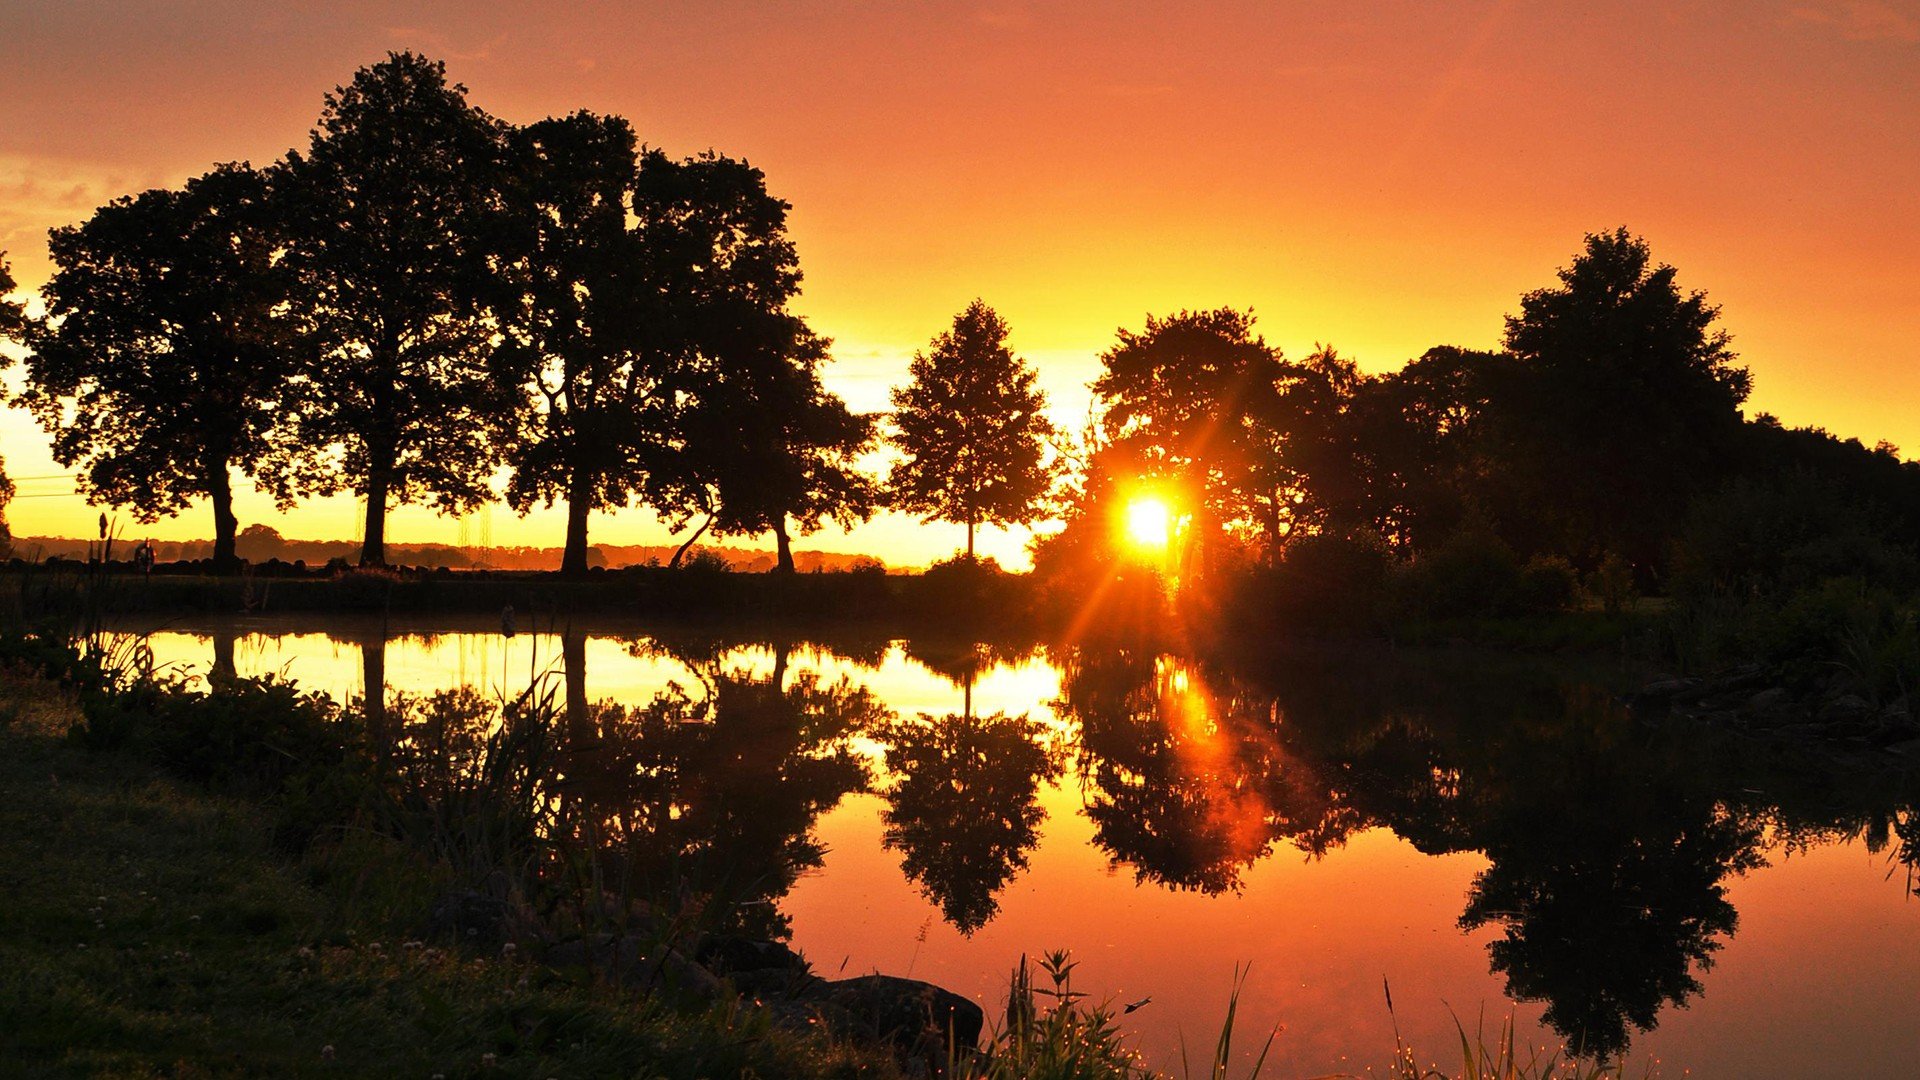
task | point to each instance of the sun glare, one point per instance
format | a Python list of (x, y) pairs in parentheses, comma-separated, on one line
[(1149, 523)]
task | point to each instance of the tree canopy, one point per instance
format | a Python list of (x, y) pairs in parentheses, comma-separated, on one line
[(1622, 403), (761, 443), (395, 226), (972, 430), (165, 356), (585, 327)]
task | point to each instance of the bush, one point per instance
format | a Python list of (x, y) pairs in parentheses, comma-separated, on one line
[(1473, 574), (1548, 584), (1323, 581)]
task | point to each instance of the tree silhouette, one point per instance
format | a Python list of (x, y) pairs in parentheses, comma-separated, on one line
[(771, 446), (394, 218), (13, 313), (587, 329), (1191, 400), (1622, 404), (761, 442), (165, 356), (964, 806), (972, 428)]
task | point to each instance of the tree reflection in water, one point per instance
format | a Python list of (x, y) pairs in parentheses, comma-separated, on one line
[(964, 806), (1186, 785), (1610, 845)]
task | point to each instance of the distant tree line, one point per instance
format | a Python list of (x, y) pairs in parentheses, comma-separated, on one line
[(426, 298)]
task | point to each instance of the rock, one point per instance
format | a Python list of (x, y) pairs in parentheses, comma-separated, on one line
[(487, 917), (919, 1018), (636, 962), (1768, 699), (1845, 709), (1909, 748), (1665, 691), (727, 954)]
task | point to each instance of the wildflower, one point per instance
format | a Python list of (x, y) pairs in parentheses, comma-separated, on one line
[(326, 1052)]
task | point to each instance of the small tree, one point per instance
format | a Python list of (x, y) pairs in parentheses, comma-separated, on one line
[(395, 228), (768, 445), (164, 356), (973, 430)]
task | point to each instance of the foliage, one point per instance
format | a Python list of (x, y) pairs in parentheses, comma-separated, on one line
[(972, 430), (1621, 404), (762, 441), (165, 357), (1191, 401), (394, 228)]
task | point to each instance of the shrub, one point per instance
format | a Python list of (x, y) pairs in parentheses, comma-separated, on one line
[(1547, 584), (1474, 573)]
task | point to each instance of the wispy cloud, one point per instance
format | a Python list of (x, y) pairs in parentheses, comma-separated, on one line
[(1860, 20)]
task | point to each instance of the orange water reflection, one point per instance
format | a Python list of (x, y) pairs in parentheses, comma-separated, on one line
[(1459, 834)]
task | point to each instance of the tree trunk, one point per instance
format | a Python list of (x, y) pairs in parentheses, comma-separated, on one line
[(373, 550), (680, 552), (573, 658), (223, 665), (579, 500), (784, 565), (220, 493), (780, 651), (969, 539), (373, 679)]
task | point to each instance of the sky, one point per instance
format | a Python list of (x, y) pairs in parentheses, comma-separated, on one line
[(1379, 177)]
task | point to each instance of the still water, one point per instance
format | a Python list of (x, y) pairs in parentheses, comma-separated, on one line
[(1491, 837)]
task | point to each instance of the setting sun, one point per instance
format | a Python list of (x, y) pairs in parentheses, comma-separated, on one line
[(1149, 523)]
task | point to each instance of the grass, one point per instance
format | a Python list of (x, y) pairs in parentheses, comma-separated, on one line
[(151, 930)]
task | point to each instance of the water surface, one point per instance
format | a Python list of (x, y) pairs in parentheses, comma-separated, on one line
[(1491, 837)]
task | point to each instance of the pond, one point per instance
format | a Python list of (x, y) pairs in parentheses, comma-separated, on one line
[(1488, 836)]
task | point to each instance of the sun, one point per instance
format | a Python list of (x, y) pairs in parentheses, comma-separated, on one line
[(1149, 523)]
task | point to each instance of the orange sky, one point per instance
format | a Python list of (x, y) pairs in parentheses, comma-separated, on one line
[(1382, 182)]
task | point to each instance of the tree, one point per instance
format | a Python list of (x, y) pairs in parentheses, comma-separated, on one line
[(164, 357), (768, 445), (1622, 403), (1192, 400), (395, 224), (758, 441), (973, 430), (585, 333)]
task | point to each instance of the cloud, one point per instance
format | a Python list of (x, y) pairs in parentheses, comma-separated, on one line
[(1860, 20)]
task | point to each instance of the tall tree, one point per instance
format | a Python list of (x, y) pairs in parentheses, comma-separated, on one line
[(972, 428), (164, 357), (395, 229), (1623, 403), (761, 445), (585, 330)]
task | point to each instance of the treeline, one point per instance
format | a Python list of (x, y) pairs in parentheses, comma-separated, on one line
[(263, 544), (1602, 446), (427, 298)]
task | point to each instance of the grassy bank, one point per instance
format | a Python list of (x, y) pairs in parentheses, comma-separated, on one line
[(151, 929)]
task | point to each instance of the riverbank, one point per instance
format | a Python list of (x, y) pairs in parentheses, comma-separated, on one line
[(154, 929)]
